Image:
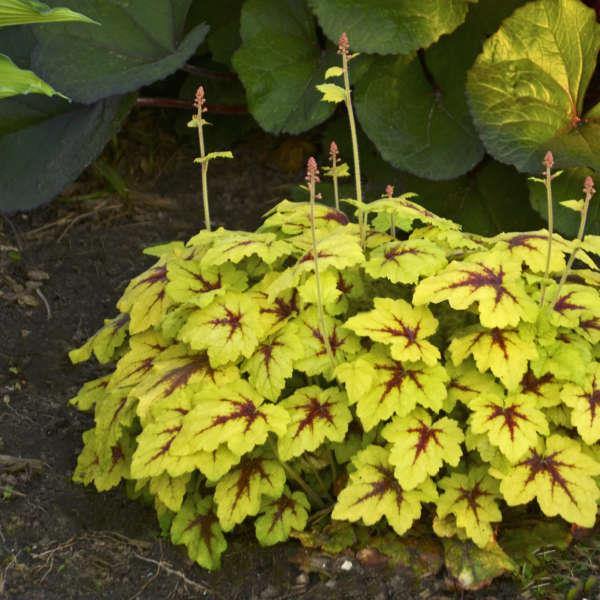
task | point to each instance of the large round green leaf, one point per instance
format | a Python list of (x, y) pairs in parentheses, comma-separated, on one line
[(527, 87), (55, 141), (389, 26), (137, 43), (15, 81), (280, 62)]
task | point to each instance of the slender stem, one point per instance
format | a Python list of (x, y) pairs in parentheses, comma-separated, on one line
[(548, 184), (332, 465), (393, 223), (313, 233), (204, 166), (352, 123), (336, 192)]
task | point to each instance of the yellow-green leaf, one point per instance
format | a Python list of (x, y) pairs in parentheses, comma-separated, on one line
[(280, 517), (332, 92)]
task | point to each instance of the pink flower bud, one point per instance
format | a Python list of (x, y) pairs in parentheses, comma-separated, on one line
[(588, 186), (200, 101), (548, 160), (343, 44), (389, 191), (312, 171), (333, 151)]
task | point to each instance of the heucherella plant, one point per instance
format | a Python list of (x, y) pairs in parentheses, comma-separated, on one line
[(388, 371)]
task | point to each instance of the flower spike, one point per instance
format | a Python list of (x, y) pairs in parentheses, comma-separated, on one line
[(343, 44)]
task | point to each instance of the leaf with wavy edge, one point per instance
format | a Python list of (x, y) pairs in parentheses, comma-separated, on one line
[(169, 490), (293, 218), (405, 261), (584, 400), (115, 411), (560, 476), (472, 499), (234, 246), (234, 414), (316, 415), (381, 386), (240, 493), (512, 423), (589, 326), (280, 517), (274, 313), (421, 446), (467, 384), (403, 327), (197, 528), (572, 303), (90, 392), (505, 352), (494, 284), (373, 492), (544, 390), (104, 343)]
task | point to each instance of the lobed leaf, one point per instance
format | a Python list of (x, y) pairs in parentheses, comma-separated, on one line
[(280, 517)]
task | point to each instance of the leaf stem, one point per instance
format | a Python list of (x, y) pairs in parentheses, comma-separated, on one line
[(548, 162), (336, 191), (204, 167)]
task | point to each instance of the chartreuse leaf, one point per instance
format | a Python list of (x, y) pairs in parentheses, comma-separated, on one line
[(560, 476), (145, 299), (332, 92), (228, 328), (192, 283), (572, 303), (420, 446), (373, 492), (472, 499), (381, 386), (279, 517), (513, 423), (274, 313), (212, 155), (196, 526), (17, 81), (213, 465), (467, 384), (240, 493), (401, 326), (526, 98), (23, 12), (584, 400), (170, 490), (316, 415), (234, 246), (104, 343), (405, 261), (495, 285), (292, 218), (589, 325), (545, 390), (506, 353), (234, 414), (115, 411), (90, 393)]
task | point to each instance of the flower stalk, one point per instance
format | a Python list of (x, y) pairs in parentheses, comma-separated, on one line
[(389, 192), (199, 104), (548, 164), (333, 158)]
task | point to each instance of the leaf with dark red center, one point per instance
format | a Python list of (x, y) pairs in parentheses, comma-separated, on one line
[(315, 361), (234, 414), (382, 387), (169, 490), (197, 528), (512, 423), (467, 384), (560, 476), (292, 218), (280, 517), (115, 411), (271, 365), (506, 353), (406, 261), (104, 343), (316, 415), (189, 282), (276, 312), (493, 283), (145, 298), (373, 492), (420, 446), (473, 500), (403, 327), (233, 246), (227, 329), (589, 326), (90, 393), (240, 493), (544, 390), (572, 303), (584, 400)]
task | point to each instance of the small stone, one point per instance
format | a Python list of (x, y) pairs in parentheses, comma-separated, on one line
[(346, 565), (302, 579)]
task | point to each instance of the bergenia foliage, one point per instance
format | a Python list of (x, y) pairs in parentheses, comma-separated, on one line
[(413, 377)]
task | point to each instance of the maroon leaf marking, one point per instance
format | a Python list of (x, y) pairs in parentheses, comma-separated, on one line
[(498, 339), (204, 524), (156, 275), (118, 410), (548, 464), (314, 410), (564, 303), (335, 215), (117, 456), (335, 342), (509, 414), (593, 399), (472, 496), (240, 245), (398, 375), (282, 308), (205, 285), (247, 470), (120, 321), (342, 285), (417, 209), (387, 483), (593, 323), (233, 320), (310, 256), (392, 254), (454, 384), (426, 435), (488, 278), (180, 376), (167, 445), (284, 503), (523, 240), (267, 352), (240, 410), (532, 384), (401, 331)]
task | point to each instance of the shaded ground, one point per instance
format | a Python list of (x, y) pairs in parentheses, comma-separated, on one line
[(60, 540)]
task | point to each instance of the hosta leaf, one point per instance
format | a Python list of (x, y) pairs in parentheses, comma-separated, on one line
[(584, 401), (527, 98), (196, 526), (280, 62), (406, 261), (233, 414), (495, 285), (472, 499), (389, 26), (420, 446), (239, 493), (190, 282), (382, 387), (272, 363), (90, 393), (292, 218), (316, 415), (169, 490), (279, 517), (403, 327), (373, 492), (23, 12), (17, 81), (506, 353), (104, 343), (560, 476), (145, 299), (234, 246), (513, 423), (227, 329)]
